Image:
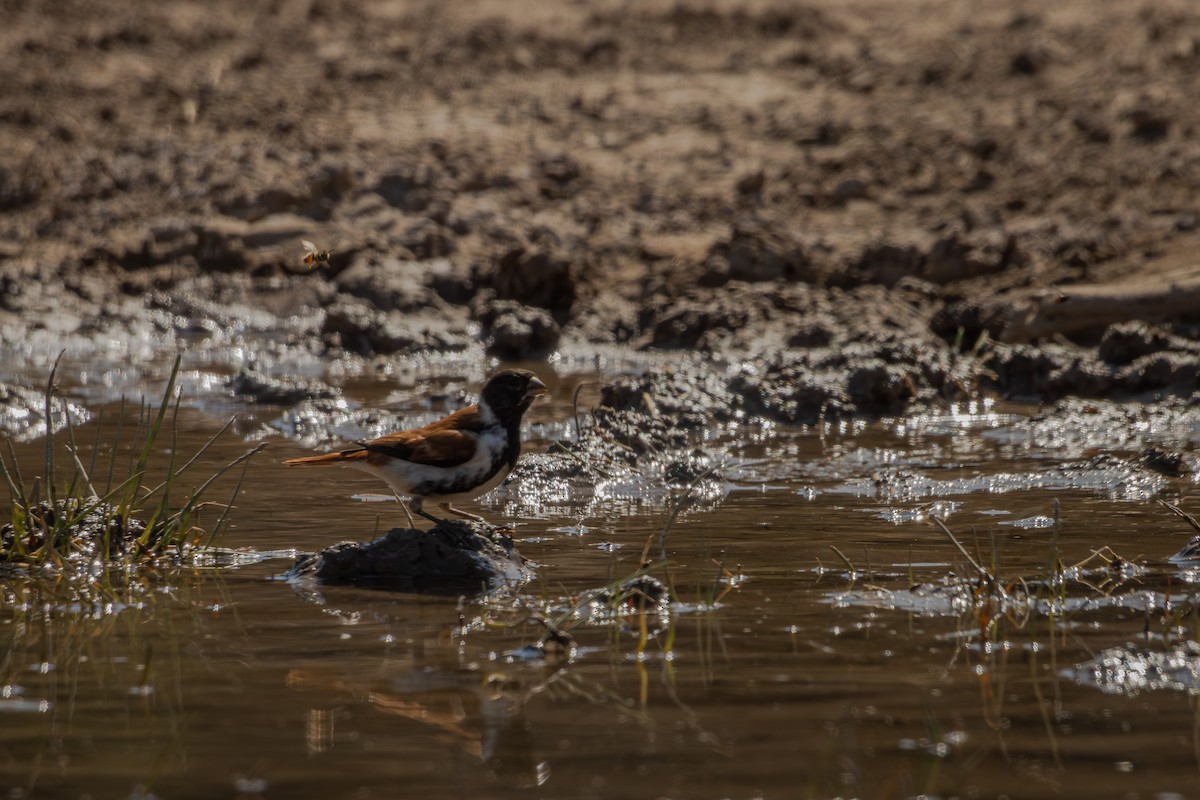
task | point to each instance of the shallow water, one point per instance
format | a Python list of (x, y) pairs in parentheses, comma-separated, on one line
[(783, 669)]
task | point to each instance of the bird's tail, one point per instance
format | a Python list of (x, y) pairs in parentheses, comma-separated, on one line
[(342, 457)]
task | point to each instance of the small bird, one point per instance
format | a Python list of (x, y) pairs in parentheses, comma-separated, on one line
[(459, 457)]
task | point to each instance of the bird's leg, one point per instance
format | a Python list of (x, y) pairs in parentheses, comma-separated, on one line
[(415, 505), (464, 514), (404, 505)]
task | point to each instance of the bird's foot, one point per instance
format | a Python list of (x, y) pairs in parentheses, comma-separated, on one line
[(449, 509), (415, 505)]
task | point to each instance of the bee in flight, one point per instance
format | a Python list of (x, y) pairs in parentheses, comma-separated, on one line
[(312, 256)]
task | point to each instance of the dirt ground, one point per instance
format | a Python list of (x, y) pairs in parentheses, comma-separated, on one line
[(844, 196)]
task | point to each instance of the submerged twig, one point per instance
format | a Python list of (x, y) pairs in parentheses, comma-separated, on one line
[(676, 509), (1179, 512), (846, 561), (978, 567)]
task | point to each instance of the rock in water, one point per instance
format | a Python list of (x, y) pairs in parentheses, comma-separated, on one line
[(455, 556)]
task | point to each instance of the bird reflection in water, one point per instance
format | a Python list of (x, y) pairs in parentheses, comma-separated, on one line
[(480, 714)]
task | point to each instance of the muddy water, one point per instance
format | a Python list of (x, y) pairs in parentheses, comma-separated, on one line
[(782, 669)]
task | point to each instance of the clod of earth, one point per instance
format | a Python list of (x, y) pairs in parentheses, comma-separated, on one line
[(1189, 554), (640, 593), (517, 331), (278, 391), (455, 556), (1132, 669)]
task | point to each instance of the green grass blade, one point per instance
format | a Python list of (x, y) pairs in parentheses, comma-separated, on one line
[(164, 535), (96, 442), (15, 491), (199, 453), (218, 530), (116, 445), (152, 432), (49, 398), (81, 472), (156, 426), (121, 488), (138, 431), (16, 471)]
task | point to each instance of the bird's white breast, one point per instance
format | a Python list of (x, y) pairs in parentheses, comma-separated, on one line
[(485, 470)]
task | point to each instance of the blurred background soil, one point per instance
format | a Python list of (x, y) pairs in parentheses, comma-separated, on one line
[(863, 187)]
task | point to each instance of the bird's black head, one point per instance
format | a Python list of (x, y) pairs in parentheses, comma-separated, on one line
[(509, 393)]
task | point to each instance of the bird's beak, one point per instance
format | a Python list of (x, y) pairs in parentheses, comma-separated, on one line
[(536, 389)]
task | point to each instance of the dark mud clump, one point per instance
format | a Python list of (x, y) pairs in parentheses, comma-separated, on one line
[(539, 276), (688, 397), (1126, 342), (1134, 669), (453, 557), (1171, 463), (281, 391), (82, 529), (641, 593), (871, 378), (639, 596), (515, 331), (1189, 554)]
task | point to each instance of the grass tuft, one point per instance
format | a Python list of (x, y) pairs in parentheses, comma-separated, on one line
[(61, 517)]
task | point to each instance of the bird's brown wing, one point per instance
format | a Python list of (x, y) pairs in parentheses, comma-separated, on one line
[(445, 443)]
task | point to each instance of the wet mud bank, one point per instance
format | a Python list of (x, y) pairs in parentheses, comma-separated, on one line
[(515, 185), (798, 352)]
